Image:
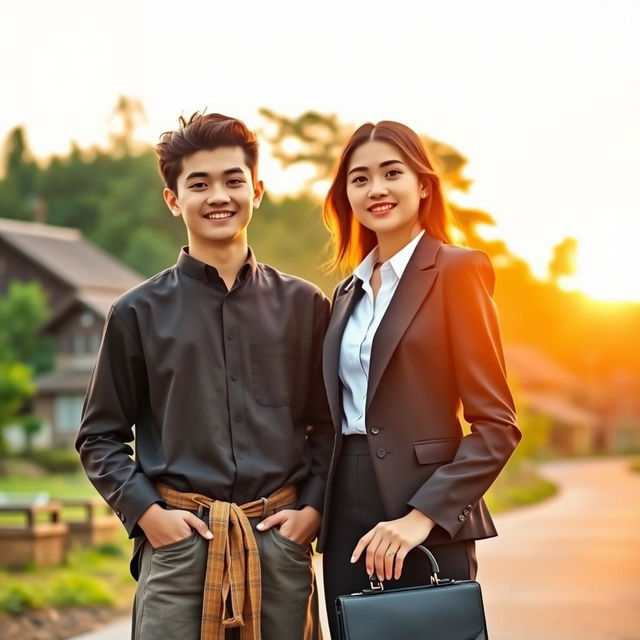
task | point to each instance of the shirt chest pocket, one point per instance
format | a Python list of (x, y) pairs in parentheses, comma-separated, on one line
[(272, 374)]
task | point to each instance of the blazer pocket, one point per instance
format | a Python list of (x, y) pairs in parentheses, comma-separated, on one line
[(434, 451), (272, 374)]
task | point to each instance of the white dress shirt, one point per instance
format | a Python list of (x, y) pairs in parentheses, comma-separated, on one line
[(357, 339)]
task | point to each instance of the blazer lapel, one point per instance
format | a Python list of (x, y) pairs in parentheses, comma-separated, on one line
[(413, 288), (342, 308)]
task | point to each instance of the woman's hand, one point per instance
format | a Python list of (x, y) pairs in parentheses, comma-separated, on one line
[(389, 541)]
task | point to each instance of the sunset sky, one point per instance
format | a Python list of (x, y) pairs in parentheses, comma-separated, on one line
[(542, 97)]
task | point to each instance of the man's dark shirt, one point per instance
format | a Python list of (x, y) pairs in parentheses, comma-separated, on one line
[(224, 389)]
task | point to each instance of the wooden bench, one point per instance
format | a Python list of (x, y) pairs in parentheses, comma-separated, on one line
[(98, 525), (41, 544)]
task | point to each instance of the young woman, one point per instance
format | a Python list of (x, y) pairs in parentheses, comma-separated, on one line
[(413, 335)]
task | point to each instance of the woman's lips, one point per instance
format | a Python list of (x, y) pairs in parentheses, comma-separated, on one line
[(381, 208)]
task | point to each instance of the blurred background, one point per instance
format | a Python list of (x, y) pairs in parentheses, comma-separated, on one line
[(530, 110)]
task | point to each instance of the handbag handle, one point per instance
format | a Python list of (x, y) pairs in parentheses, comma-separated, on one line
[(376, 585)]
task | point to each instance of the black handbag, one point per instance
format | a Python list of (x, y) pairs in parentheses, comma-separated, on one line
[(442, 610)]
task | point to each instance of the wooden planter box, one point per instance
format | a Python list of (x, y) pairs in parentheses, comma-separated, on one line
[(42, 544), (99, 524)]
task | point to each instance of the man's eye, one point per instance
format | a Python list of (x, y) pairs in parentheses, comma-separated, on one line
[(198, 185), (236, 181)]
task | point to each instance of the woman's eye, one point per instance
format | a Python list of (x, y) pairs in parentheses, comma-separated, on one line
[(393, 173), (359, 180)]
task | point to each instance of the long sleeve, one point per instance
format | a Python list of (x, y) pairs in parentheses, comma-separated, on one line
[(112, 406), (455, 488), (320, 433)]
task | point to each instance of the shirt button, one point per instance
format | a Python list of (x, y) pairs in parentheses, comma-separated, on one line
[(381, 453), (374, 430), (234, 376), (237, 418)]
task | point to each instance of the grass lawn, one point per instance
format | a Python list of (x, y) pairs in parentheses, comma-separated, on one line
[(64, 485), (518, 487), (56, 486)]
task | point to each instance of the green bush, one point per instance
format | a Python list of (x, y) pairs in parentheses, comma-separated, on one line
[(109, 549), (16, 597), (72, 590), (57, 460)]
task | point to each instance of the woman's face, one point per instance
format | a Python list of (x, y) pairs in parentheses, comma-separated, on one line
[(383, 191)]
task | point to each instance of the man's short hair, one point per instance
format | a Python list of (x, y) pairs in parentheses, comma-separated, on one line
[(204, 133)]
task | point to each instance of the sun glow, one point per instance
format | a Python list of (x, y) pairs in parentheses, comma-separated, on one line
[(608, 270)]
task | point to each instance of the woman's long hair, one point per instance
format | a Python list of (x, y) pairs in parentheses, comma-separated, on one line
[(351, 240)]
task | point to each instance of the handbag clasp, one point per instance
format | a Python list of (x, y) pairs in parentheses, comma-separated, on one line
[(376, 585)]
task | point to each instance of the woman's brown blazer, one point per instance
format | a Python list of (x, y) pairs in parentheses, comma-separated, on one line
[(438, 346)]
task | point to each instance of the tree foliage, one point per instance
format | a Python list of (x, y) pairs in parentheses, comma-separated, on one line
[(23, 351)]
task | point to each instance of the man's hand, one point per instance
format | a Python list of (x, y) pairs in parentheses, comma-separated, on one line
[(164, 526), (389, 541), (301, 526)]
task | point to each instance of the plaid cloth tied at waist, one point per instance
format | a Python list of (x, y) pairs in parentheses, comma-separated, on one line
[(233, 565)]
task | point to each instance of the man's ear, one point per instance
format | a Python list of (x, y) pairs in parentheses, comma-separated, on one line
[(258, 192), (172, 202)]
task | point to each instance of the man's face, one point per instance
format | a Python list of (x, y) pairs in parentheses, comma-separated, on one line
[(216, 196)]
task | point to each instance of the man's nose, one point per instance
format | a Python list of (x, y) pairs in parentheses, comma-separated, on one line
[(218, 195)]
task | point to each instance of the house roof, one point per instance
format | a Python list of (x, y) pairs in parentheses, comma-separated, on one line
[(535, 369), (63, 382), (560, 408), (100, 304), (68, 255)]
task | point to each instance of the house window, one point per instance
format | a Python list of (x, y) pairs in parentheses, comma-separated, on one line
[(79, 343), (94, 343), (67, 413), (87, 319)]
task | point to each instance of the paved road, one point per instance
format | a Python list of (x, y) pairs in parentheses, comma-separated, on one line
[(567, 569)]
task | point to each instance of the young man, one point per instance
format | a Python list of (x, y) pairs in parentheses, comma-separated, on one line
[(217, 363)]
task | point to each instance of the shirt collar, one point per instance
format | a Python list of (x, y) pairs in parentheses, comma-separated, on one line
[(398, 261), (207, 273)]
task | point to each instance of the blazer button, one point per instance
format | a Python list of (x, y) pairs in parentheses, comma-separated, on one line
[(461, 518), (374, 430), (381, 453)]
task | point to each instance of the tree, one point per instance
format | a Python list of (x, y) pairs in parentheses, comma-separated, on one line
[(23, 311), (563, 262), (22, 349), (19, 187), (128, 114)]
